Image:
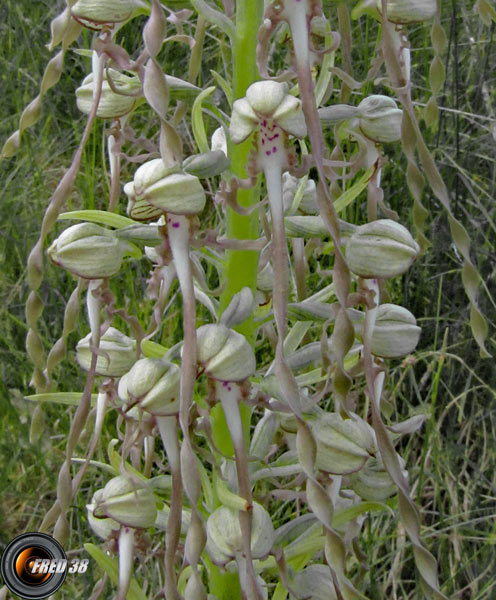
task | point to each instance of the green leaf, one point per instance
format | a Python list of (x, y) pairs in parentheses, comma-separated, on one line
[(224, 86), (67, 398), (355, 190), (344, 515), (214, 16), (197, 120), (102, 217), (110, 566), (228, 498)]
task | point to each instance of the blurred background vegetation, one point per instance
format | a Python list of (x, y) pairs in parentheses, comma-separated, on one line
[(451, 460)]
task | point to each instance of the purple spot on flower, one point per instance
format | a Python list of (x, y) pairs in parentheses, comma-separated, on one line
[(263, 141), (176, 225), (274, 149), (268, 152), (229, 388), (224, 384), (264, 123)]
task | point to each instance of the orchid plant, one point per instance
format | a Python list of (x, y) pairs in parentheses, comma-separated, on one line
[(247, 449)]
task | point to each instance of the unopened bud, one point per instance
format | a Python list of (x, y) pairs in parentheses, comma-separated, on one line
[(94, 14), (409, 11), (112, 104), (239, 308), (88, 250), (224, 354), (219, 140), (224, 537), (343, 445), (154, 383), (117, 353), (165, 189), (102, 527), (265, 278), (381, 249), (314, 582), (128, 503), (380, 118), (395, 332), (373, 482)]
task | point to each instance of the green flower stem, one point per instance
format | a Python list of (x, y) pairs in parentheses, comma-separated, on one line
[(241, 265)]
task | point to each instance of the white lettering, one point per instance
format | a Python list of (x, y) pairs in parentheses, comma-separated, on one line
[(36, 565), (45, 563), (61, 565)]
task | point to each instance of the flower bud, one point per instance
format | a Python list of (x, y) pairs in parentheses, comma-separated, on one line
[(154, 383), (380, 118), (88, 250), (219, 140), (224, 537), (409, 11), (315, 583), (239, 308), (207, 164), (373, 482), (118, 353), (128, 503), (111, 105), (382, 249), (265, 278), (96, 13), (343, 445), (395, 332), (102, 527), (224, 354), (165, 189)]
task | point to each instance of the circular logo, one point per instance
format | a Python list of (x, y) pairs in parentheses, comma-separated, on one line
[(34, 566)]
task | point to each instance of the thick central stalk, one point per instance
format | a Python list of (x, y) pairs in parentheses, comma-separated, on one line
[(241, 265)]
